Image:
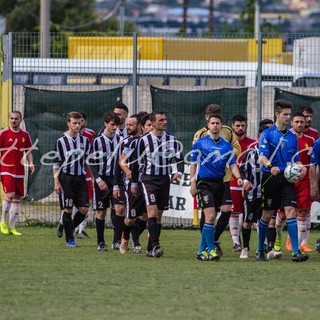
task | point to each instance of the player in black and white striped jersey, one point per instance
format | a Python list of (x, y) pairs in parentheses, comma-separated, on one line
[(105, 157), (155, 152), (69, 169)]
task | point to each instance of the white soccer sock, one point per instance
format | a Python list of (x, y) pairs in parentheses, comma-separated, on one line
[(61, 217), (234, 227), (6, 205), (83, 224), (13, 213), (301, 221), (308, 229)]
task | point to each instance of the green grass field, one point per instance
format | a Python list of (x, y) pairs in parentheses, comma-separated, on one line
[(43, 279)]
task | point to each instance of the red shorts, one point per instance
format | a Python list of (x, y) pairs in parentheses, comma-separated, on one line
[(237, 200), (303, 194), (13, 185)]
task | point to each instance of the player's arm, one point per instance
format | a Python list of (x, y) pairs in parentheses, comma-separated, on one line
[(30, 162), (235, 171), (314, 186), (193, 177), (179, 161)]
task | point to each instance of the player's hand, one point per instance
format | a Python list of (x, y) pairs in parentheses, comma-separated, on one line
[(176, 177), (57, 187), (240, 182), (275, 170), (116, 194), (247, 186), (129, 174), (193, 190), (135, 191), (32, 168), (314, 193), (302, 173)]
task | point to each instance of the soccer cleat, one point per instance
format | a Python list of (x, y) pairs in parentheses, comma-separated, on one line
[(237, 247), (217, 248), (124, 246), (213, 256), (82, 235), (14, 232), (137, 249), (260, 256), (59, 230), (244, 253), (277, 244), (116, 245), (288, 244), (149, 253), (71, 243), (202, 256), (4, 227), (299, 257), (305, 248), (102, 246), (274, 254), (157, 252)]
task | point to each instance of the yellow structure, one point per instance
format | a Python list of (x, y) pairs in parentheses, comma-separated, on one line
[(121, 48)]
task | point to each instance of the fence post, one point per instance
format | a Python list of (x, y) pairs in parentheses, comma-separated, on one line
[(134, 74), (259, 80), (7, 72)]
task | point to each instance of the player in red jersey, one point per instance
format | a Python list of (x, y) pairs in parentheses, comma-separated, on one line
[(308, 130), (305, 144), (80, 233), (15, 148), (239, 127)]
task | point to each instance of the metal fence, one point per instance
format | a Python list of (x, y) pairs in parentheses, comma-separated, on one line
[(87, 62)]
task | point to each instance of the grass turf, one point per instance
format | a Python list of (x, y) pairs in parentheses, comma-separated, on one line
[(43, 279)]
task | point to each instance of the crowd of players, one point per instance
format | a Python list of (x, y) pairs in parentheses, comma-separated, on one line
[(127, 168)]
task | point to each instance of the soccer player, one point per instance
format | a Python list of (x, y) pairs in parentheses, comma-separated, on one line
[(251, 174), (155, 152), (278, 146), (69, 170), (305, 144), (15, 147), (135, 206), (227, 134), (80, 233), (105, 157), (239, 128), (211, 154), (122, 111), (308, 130)]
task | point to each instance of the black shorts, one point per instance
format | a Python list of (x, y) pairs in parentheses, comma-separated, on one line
[(210, 193), (103, 199), (227, 198), (135, 206), (74, 191), (277, 192), (156, 190), (252, 210)]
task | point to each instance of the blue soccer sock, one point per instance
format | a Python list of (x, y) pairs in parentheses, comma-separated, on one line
[(292, 227), (263, 230), (208, 231)]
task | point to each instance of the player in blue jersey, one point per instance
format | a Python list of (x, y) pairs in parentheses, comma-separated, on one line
[(278, 147), (212, 155)]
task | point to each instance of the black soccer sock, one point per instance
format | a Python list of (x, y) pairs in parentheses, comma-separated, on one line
[(271, 237), (118, 223), (221, 224), (135, 233), (246, 235), (202, 220), (100, 224), (77, 219), (153, 229), (67, 225), (112, 215), (142, 225), (126, 231)]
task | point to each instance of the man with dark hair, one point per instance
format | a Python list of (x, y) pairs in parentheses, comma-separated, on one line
[(308, 130), (122, 111), (239, 128), (69, 169), (104, 161), (227, 134), (155, 152), (266, 122), (211, 154), (278, 147), (15, 144)]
